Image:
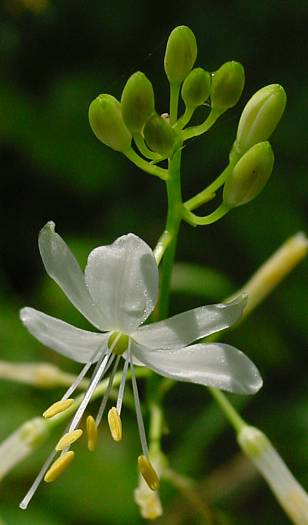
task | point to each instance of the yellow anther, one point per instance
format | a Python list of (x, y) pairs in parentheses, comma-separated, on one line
[(92, 433), (59, 466), (58, 407), (148, 473), (115, 424), (68, 439)]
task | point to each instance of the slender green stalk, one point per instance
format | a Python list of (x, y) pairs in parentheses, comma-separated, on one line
[(196, 220), (174, 101), (195, 131), (156, 427), (173, 222), (231, 414), (146, 166), (209, 192), (165, 251), (184, 119)]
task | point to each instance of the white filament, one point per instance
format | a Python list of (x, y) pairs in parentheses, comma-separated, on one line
[(97, 375), (103, 404), (143, 439), (80, 377), (122, 386)]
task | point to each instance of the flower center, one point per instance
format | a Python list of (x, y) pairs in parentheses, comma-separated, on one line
[(121, 343)]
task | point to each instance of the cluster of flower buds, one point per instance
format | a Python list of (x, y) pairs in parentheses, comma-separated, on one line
[(157, 137), (116, 123)]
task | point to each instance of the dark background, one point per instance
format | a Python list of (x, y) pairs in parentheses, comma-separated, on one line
[(55, 58)]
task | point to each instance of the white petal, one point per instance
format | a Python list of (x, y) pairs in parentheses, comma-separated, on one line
[(63, 268), (182, 329), (214, 364), (123, 280), (64, 338)]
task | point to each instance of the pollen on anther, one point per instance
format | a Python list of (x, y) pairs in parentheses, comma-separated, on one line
[(68, 439), (59, 466), (148, 473), (91, 433), (115, 424), (58, 407)]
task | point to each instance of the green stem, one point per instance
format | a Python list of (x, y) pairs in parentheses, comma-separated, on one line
[(174, 100), (231, 414), (146, 166), (209, 192), (156, 427), (170, 235), (196, 220), (195, 131), (165, 248), (185, 118)]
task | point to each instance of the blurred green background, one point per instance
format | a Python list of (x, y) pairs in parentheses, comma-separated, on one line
[(56, 56)]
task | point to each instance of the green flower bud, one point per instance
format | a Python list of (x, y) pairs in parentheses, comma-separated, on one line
[(181, 54), (160, 136), (107, 124), (196, 87), (260, 116), (249, 175), (227, 85), (137, 102)]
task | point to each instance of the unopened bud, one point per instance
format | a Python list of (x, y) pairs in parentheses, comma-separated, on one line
[(196, 87), (249, 175), (289, 493), (107, 123), (160, 136), (181, 54), (137, 102), (260, 116), (227, 85)]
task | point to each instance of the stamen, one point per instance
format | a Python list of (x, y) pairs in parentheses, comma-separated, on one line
[(92, 433), (96, 377), (122, 386), (32, 490), (59, 466), (68, 439), (115, 424), (58, 407), (140, 423), (80, 376), (148, 473), (105, 355), (103, 404)]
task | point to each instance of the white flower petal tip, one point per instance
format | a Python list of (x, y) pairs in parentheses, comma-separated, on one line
[(79, 345), (49, 226), (212, 364), (290, 494), (62, 266)]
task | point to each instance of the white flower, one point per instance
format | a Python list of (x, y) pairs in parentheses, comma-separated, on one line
[(117, 293)]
